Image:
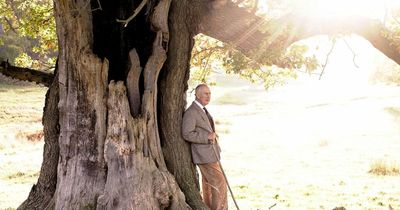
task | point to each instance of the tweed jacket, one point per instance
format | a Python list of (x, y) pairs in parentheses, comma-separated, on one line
[(195, 129)]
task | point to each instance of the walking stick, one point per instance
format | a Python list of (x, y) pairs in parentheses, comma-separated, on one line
[(226, 180)]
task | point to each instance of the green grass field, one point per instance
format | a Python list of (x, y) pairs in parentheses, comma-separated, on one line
[(280, 147)]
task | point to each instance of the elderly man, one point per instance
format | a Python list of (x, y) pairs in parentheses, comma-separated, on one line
[(198, 128)]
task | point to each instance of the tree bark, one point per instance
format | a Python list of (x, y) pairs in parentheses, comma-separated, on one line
[(82, 80), (109, 159), (42, 193), (172, 97), (26, 74)]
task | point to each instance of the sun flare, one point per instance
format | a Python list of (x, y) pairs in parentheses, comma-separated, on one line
[(375, 9), (340, 8)]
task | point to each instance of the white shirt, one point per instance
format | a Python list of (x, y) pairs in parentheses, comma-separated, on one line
[(200, 105)]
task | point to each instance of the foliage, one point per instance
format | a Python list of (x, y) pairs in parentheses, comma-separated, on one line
[(211, 56), (12, 46), (393, 25), (271, 68), (389, 75), (29, 33), (386, 72)]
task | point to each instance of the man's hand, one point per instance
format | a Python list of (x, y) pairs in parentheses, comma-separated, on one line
[(211, 137)]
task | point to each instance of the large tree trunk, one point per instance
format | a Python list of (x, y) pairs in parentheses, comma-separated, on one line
[(110, 152), (172, 97)]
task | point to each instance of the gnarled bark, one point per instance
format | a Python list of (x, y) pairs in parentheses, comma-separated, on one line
[(132, 83), (134, 180), (118, 165), (172, 96)]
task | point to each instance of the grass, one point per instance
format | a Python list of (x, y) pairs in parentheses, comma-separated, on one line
[(323, 143), (33, 136), (394, 111), (222, 122), (262, 165), (383, 168), (223, 126), (21, 135), (21, 103), (230, 99), (23, 177)]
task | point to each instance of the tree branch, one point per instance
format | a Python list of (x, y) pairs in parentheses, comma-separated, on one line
[(327, 59), (136, 12), (245, 31), (26, 74), (352, 51), (371, 30), (9, 23)]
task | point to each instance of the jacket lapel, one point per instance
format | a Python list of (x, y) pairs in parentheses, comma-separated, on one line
[(202, 115)]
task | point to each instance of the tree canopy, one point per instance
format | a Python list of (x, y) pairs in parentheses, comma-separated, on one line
[(29, 40)]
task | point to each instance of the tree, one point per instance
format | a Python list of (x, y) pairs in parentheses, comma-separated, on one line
[(29, 33), (113, 141)]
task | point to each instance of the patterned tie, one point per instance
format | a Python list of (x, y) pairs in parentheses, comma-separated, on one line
[(210, 119)]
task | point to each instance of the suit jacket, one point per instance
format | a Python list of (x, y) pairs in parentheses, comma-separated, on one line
[(195, 129)]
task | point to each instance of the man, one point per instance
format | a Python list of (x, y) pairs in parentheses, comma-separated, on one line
[(199, 129)]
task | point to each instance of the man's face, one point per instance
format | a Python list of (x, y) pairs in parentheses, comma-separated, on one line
[(203, 95)]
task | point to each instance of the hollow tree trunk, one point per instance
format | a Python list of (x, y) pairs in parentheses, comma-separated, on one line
[(110, 152)]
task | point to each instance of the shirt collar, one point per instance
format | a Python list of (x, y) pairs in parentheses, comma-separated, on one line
[(200, 105)]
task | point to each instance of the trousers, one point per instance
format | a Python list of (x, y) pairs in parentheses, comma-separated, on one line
[(214, 186)]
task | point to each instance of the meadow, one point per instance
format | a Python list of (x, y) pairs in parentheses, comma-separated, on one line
[(294, 147), (309, 145), (21, 139)]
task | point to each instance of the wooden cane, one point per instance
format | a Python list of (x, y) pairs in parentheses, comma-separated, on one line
[(226, 180)]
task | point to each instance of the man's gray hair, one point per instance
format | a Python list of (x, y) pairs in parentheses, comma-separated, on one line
[(199, 86)]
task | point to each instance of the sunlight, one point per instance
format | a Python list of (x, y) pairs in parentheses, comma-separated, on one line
[(338, 8)]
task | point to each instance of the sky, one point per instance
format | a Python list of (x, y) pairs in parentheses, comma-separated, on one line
[(331, 8)]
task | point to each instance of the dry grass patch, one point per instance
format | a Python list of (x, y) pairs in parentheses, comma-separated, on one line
[(230, 99), (384, 168), (21, 103), (323, 143), (223, 126), (33, 136), (222, 122), (223, 130), (394, 111), (23, 177)]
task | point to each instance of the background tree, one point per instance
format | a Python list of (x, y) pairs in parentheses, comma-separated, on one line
[(28, 33)]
